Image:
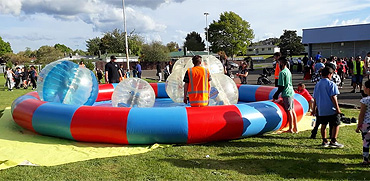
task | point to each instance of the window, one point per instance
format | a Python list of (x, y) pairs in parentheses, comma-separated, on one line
[(263, 49), (269, 49), (250, 50)]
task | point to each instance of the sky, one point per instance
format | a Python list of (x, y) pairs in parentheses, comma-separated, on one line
[(34, 23)]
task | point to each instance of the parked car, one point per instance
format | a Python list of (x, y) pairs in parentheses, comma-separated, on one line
[(233, 65)]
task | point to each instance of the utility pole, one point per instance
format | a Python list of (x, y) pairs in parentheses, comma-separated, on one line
[(206, 14), (125, 29)]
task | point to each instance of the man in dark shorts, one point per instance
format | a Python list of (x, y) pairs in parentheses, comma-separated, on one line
[(112, 74), (328, 111), (357, 73)]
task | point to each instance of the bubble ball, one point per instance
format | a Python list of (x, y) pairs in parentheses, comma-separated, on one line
[(65, 82), (223, 90), (182, 63), (133, 92), (175, 85), (213, 64)]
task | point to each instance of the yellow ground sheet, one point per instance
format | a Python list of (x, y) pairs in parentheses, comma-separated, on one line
[(21, 147)]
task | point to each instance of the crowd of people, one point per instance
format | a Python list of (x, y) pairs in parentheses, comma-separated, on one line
[(21, 78)]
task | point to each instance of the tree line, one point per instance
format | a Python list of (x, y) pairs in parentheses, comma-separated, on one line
[(230, 35)]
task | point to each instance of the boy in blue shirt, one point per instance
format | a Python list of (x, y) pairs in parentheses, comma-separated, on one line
[(328, 111)]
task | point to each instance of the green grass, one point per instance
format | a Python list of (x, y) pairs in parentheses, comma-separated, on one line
[(265, 157)]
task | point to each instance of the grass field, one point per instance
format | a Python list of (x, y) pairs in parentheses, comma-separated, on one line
[(264, 157)]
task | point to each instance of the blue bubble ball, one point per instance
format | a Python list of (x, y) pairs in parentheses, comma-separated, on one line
[(65, 82)]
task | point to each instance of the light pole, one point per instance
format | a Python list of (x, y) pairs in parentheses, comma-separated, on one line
[(126, 43), (206, 14)]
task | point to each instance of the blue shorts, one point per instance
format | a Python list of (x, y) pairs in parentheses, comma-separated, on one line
[(357, 79)]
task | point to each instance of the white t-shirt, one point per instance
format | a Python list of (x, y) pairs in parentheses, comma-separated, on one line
[(9, 74), (366, 101)]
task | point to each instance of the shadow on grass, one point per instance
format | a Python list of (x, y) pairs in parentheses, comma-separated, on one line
[(1, 113), (287, 165)]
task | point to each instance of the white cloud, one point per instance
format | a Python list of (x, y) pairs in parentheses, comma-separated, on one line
[(350, 22), (10, 7)]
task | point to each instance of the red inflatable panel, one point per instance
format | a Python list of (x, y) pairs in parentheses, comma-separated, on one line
[(298, 110), (263, 92), (226, 124), (23, 113), (284, 123), (100, 124), (105, 92), (34, 94), (155, 88), (238, 85)]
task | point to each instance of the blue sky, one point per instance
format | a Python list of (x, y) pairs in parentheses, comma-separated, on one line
[(34, 23)]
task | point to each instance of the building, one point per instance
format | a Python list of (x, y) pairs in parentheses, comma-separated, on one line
[(262, 50), (340, 41)]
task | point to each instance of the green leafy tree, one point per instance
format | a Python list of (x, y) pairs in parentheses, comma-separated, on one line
[(290, 43), (47, 54), (135, 44), (16, 58), (79, 52), (66, 50), (172, 46), (113, 42), (89, 65), (93, 46), (27, 53), (230, 33), (5, 47), (194, 42), (155, 51)]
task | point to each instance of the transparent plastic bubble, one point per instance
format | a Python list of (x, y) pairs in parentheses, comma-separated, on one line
[(223, 90), (175, 85), (65, 82), (182, 63), (133, 92), (213, 64)]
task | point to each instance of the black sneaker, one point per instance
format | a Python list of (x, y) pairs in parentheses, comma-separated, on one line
[(336, 145), (324, 144), (353, 120), (353, 91)]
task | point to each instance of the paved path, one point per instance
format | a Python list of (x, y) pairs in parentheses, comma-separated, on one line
[(345, 98)]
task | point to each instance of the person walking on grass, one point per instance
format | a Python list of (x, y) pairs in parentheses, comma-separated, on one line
[(363, 125), (285, 87), (326, 105)]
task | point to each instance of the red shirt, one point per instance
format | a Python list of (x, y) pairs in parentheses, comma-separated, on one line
[(304, 93)]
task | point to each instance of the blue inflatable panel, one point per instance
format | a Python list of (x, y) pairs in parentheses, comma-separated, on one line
[(157, 125), (253, 120), (115, 85), (161, 90), (272, 114), (247, 93), (302, 101), (271, 95), (54, 119)]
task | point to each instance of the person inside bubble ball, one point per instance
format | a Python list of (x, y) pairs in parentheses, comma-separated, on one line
[(112, 74), (197, 84)]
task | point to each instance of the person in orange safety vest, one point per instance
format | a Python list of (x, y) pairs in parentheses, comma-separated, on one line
[(197, 85), (277, 55)]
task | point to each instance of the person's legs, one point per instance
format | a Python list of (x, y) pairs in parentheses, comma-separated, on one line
[(366, 143), (335, 122), (294, 120)]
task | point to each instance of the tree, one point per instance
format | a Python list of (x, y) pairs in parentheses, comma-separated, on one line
[(172, 46), (16, 58), (194, 42), (5, 47), (113, 42), (47, 54), (290, 41), (93, 46), (79, 52), (135, 44), (269, 41), (66, 50), (155, 51), (231, 34)]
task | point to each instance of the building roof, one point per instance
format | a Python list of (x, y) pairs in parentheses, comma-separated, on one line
[(360, 32)]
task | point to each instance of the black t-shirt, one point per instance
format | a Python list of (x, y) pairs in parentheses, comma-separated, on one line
[(112, 69), (358, 67), (159, 68)]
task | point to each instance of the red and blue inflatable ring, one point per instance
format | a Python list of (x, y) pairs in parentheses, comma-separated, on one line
[(189, 125)]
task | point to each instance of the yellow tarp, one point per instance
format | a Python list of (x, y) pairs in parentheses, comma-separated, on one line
[(22, 147)]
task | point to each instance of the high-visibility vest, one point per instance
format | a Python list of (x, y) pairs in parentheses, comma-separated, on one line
[(198, 89), (355, 69), (277, 70)]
